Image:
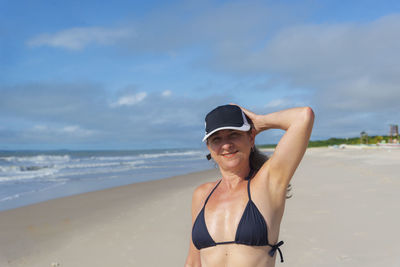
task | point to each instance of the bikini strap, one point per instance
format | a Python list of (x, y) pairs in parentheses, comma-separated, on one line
[(248, 186), (248, 183), (212, 191), (248, 189)]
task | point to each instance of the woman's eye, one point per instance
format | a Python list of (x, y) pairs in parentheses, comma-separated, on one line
[(215, 140)]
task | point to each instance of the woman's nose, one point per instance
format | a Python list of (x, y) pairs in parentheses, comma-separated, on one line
[(226, 143)]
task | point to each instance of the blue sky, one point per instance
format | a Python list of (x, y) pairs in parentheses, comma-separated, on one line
[(143, 74)]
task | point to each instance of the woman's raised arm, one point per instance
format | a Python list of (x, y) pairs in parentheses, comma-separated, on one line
[(298, 123)]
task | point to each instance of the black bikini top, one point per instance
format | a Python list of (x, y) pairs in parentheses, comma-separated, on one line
[(252, 229)]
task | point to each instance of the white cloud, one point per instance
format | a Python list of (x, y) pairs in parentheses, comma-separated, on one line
[(130, 100), (276, 103), (40, 128), (166, 93), (79, 38), (60, 131), (92, 122), (351, 61), (70, 129), (349, 70), (76, 131)]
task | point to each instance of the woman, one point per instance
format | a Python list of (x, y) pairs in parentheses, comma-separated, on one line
[(236, 219)]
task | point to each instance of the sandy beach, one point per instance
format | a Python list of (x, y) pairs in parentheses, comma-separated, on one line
[(344, 212)]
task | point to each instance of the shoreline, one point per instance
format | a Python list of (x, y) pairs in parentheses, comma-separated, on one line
[(43, 175), (344, 203)]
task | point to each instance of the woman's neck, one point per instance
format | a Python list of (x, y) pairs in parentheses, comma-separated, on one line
[(231, 178)]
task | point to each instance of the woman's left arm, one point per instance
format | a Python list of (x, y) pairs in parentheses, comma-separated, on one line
[(298, 123)]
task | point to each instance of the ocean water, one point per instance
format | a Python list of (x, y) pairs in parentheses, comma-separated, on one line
[(28, 177)]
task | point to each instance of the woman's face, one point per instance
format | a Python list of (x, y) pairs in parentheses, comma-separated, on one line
[(230, 148)]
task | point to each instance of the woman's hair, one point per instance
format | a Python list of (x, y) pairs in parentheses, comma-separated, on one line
[(257, 159)]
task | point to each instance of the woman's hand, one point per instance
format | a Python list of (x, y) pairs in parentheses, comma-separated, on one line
[(255, 118)]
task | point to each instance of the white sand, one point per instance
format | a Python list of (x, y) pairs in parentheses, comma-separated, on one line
[(343, 213)]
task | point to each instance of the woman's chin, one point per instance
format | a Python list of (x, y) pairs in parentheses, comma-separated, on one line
[(231, 162)]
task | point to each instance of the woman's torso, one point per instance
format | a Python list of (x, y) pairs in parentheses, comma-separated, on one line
[(223, 212)]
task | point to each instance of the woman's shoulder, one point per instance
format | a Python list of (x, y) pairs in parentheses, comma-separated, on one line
[(203, 190)]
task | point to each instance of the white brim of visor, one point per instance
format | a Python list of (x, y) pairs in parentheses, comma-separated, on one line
[(244, 128)]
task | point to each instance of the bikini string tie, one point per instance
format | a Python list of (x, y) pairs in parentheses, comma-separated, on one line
[(275, 248)]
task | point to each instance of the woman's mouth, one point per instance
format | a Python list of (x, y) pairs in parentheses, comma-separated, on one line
[(229, 155)]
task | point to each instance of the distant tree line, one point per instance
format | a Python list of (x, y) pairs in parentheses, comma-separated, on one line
[(338, 141)]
